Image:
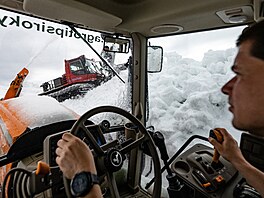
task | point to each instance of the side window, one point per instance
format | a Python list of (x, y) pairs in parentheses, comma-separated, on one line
[(89, 67), (185, 97)]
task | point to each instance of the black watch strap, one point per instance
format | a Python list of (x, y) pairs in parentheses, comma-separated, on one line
[(95, 178)]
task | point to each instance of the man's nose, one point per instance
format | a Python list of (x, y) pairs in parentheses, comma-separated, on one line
[(228, 87)]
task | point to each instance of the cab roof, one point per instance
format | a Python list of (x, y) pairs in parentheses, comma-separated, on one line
[(151, 18)]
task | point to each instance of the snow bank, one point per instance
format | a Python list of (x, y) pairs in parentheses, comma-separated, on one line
[(185, 99)]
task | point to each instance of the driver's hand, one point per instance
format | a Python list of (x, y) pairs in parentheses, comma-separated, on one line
[(74, 156), (228, 148)]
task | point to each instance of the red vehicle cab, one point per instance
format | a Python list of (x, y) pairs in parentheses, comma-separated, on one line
[(81, 75)]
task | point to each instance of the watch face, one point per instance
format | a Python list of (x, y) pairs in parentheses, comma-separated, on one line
[(80, 184)]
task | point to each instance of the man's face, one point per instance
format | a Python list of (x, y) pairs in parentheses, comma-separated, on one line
[(246, 91)]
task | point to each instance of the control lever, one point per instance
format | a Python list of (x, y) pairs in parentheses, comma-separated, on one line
[(40, 179), (202, 180), (218, 137), (44, 177), (42, 168), (175, 187), (160, 143)]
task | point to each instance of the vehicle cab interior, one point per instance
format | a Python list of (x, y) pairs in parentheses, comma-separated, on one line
[(133, 156)]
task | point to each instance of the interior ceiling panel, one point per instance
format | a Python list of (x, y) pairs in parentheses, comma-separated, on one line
[(125, 16)]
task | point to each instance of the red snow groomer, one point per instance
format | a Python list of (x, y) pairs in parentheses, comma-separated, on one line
[(81, 75)]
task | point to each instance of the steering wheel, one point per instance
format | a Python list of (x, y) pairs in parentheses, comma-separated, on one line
[(100, 153)]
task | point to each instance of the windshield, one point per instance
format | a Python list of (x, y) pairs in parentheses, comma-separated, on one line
[(45, 48)]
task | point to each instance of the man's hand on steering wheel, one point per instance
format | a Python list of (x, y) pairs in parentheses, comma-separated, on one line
[(72, 149)]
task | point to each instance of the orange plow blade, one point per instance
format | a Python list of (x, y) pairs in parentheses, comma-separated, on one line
[(16, 85)]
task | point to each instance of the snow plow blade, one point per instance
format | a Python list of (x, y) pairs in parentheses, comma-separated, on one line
[(16, 85)]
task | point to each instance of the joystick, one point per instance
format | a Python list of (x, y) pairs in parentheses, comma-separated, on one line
[(219, 138)]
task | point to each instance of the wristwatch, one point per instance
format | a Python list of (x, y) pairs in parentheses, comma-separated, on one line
[(82, 183)]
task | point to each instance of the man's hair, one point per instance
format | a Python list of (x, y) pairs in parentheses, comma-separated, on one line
[(254, 33)]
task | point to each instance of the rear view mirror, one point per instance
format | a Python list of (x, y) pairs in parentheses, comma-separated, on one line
[(119, 45), (155, 59)]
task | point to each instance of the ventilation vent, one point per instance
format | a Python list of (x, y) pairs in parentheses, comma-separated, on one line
[(242, 14), (166, 29)]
